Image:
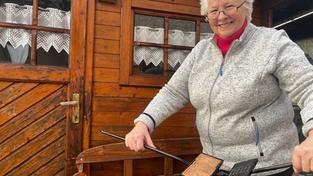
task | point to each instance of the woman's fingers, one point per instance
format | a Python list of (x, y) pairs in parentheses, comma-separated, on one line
[(137, 137)]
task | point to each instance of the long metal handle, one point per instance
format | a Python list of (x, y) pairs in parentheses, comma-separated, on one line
[(152, 149), (68, 103)]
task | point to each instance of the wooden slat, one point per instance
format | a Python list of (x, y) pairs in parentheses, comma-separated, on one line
[(118, 151), (126, 105), (108, 18), (128, 167), (126, 42), (27, 100), (33, 73), (107, 60), (32, 147), (31, 132), (41, 158), (107, 46), (115, 90), (106, 75), (194, 3), (51, 168), (168, 166), (15, 90), (107, 32), (32, 114), (158, 133), (4, 85), (60, 173), (116, 7), (168, 7), (127, 118)]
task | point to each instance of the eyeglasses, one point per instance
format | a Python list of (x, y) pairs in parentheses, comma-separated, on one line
[(229, 10)]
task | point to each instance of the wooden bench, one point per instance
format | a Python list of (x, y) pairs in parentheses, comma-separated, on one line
[(119, 152)]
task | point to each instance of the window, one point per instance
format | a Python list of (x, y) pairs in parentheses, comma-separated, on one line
[(158, 43), (35, 32)]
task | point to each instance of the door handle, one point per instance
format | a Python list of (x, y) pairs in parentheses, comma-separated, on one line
[(75, 104)]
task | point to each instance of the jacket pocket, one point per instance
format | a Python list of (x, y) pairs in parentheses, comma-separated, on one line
[(257, 136)]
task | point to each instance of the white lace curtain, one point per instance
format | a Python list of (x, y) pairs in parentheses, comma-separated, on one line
[(49, 17), (155, 55)]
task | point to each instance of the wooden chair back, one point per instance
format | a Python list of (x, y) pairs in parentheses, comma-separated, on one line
[(119, 152)]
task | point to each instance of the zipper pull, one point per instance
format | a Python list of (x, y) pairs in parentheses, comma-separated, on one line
[(221, 68)]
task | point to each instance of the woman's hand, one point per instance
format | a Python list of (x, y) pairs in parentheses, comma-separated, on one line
[(302, 159), (138, 136)]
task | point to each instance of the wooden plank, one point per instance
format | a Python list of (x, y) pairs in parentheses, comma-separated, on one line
[(52, 167), (159, 133), (115, 90), (34, 73), (167, 7), (60, 173), (15, 90), (108, 18), (107, 32), (107, 60), (4, 85), (74, 131), (168, 166), (194, 3), (128, 168), (101, 104), (116, 7), (34, 146), (41, 159), (127, 118), (26, 101), (88, 78), (31, 132), (106, 75), (32, 114), (126, 42), (107, 46)]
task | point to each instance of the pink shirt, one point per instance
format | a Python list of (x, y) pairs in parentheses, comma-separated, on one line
[(225, 43)]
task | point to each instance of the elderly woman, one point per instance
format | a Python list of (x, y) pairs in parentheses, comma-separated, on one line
[(241, 82)]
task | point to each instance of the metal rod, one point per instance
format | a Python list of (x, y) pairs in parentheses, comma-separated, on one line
[(264, 169), (152, 149)]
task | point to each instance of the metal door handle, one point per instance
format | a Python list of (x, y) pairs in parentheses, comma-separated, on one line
[(75, 104)]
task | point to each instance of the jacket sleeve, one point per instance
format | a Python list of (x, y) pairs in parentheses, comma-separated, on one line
[(171, 98), (295, 75)]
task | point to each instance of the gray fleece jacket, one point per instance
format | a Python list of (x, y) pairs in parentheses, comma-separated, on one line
[(243, 100)]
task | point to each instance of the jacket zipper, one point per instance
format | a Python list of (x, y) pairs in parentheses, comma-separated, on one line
[(219, 74), (257, 136)]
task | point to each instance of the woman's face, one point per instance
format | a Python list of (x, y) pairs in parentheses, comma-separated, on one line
[(229, 21)]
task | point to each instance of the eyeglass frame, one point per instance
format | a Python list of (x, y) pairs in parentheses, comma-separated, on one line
[(219, 11)]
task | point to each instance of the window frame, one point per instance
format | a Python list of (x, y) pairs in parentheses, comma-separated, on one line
[(152, 8), (35, 28)]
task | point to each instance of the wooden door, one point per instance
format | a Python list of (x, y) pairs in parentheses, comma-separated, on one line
[(42, 52)]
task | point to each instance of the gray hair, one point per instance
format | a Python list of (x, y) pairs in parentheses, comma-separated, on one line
[(248, 5)]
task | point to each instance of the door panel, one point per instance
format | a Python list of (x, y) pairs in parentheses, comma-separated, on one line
[(32, 127), (37, 134)]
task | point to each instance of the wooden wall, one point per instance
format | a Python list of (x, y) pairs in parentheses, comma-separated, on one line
[(114, 107)]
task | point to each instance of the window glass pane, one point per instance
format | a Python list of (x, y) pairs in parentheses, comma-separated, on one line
[(53, 49), (149, 29), (176, 58), (205, 31), (15, 12), (148, 60), (15, 45), (54, 13), (182, 32)]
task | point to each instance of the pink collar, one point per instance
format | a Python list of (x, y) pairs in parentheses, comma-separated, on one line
[(225, 43)]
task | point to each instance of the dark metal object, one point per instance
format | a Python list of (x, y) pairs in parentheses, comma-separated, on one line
[(109, 1), (187, 163)]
